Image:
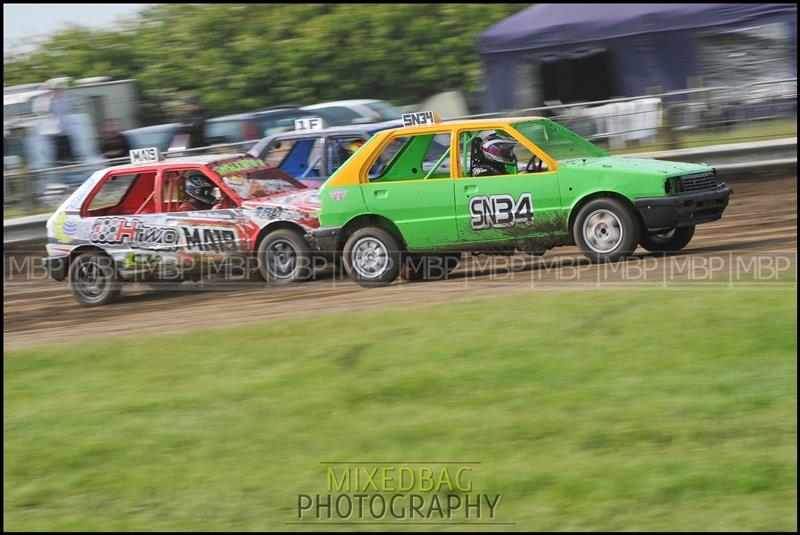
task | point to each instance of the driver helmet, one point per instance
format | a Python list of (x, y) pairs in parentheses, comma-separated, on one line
[(499, 149), (199, 187), (352, 146)]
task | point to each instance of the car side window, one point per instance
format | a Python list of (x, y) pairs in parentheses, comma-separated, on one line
[(112, 191), (340, 148), (417, 157), (299, 158), (124, 195), (475, 160), (171, 190), (384, 159), (174, 198)]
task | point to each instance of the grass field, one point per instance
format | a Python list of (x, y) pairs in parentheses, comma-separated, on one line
[(598, 410), (756, 131)]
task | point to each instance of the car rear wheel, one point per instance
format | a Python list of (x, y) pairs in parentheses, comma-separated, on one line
[(668, 241), (93, 279), (429, 267), (606, 230), (372, 257), (284, 256)]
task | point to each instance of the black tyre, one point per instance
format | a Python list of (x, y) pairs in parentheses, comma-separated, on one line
[(606, 230), (429, 267), (93, 279), (284, 256), (372, 257), (668, 241)]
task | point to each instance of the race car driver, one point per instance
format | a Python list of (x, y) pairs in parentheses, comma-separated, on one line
[(493, 156), (198, 194), (347, 149)]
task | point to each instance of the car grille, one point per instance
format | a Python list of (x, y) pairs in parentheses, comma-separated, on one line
[(697, 182)]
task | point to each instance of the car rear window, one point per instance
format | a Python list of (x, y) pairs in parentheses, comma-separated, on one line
[(112, 192), (252, 177)]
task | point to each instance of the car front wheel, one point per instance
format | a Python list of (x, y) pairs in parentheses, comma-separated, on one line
[(372, 257), (606, 230), (668, 241), (93, 279), (284, 256)]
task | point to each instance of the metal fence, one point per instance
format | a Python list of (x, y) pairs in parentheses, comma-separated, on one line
[(670, 120), (658, 121)]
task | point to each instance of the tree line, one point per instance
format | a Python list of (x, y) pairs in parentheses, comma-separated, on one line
[(240, 57)]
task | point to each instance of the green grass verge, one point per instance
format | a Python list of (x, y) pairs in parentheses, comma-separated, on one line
[(756, 131), (600, 410)]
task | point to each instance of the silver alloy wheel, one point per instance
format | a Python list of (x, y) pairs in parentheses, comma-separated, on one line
[(281, 259), (89, 280), (602, 231), (369, 257)]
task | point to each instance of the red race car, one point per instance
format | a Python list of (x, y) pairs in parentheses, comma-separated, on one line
[(174, 219)]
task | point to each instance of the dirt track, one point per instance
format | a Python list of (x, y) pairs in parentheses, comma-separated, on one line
[(756, 237)]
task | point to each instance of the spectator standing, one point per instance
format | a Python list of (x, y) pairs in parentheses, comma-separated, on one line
[(58, 105), (113, 143), (194, 123)]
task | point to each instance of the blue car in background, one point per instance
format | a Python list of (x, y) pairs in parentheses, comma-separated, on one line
[(311, 156)]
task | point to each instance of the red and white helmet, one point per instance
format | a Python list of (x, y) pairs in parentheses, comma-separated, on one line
[(500, 150)]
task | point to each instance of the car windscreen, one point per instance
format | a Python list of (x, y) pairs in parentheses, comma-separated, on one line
[(558, 142), (252, 177)]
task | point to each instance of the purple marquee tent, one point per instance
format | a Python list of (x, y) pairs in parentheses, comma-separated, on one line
[(646, 44)]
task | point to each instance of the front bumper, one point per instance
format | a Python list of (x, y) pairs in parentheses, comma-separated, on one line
[(56, 266), (325, 239), (683, 209)]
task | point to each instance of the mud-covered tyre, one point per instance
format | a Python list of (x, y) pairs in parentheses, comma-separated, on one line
[(429, 267), (284, 256), (93, 279), (668, 241), (606, 230), (372, 257)]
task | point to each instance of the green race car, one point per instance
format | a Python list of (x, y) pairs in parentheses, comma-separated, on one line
[(413, 199)]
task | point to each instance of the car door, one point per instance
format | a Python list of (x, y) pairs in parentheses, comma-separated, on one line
[(218, 233), (506, 206), (120, 216), (121, 211), (406, 185)]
